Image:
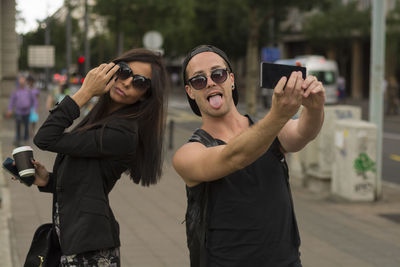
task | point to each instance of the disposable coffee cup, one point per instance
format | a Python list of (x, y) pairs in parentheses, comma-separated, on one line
[(23, 156)]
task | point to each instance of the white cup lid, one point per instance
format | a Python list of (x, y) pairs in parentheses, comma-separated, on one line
[(27, 172), (21, 149)]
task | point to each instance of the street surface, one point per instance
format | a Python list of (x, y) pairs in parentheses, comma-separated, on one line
[(334, 232)]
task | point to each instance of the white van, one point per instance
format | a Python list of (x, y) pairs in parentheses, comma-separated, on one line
[(325, 70)]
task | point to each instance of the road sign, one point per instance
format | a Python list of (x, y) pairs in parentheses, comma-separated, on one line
[(153, 40), (270, 54), (41, 56)]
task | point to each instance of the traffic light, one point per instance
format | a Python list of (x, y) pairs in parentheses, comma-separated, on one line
[(81, 66)]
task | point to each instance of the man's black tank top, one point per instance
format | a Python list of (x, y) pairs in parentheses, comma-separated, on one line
[(249, 218)]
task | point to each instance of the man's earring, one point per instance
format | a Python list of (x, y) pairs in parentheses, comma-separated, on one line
[(233, 86)]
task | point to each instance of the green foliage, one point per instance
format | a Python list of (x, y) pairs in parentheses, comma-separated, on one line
[(183, 24), (57, 38), (172, 18), (338, 21), (393, 23)]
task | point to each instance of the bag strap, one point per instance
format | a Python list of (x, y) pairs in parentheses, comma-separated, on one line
[(203, 137), (206, 139)]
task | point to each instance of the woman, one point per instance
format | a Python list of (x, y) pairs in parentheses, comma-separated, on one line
[(123, 132)]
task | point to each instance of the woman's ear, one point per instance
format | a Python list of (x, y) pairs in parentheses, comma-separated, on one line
[(189, 90)]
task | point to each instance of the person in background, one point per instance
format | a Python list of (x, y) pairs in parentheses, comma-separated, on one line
[(240, 210), (20, 104), (124, 132), (392, 97), (57, 94), (34, 115), (341, 88)]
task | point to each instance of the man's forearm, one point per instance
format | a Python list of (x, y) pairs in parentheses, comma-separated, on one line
[(252, 143), (310, 123)]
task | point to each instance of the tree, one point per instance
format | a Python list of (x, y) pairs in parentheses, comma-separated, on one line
[(172, 18), (392, 67), (57, 39), (338, 22), (240, 28), (256, 16)]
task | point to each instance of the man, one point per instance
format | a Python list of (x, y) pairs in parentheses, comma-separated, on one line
[(240, 210)]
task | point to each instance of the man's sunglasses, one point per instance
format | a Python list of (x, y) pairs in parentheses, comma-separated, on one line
[(199, 82), (139, 82)]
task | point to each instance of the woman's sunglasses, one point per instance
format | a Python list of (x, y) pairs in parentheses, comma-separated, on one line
[(199, 82), (139, 82)]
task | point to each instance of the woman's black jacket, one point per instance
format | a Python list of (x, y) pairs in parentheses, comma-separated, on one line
[(86, 168)]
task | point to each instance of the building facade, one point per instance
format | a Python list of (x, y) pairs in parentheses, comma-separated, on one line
[(8, 51)]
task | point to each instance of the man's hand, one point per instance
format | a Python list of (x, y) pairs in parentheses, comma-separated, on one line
[(287, 97), (313, 94)]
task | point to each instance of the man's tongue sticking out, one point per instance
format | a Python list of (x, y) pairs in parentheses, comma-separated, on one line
[(215, 101)]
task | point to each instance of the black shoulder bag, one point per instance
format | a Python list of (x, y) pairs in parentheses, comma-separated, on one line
[(196, 215), (45, 249)]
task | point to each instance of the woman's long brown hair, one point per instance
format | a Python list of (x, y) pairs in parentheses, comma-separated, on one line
[(149, 114)]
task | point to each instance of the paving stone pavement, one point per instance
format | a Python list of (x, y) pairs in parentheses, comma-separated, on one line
[(334, 232)]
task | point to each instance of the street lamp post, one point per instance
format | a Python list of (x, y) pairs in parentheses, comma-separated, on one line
[(47, 42), (377, 69), (68, 38)]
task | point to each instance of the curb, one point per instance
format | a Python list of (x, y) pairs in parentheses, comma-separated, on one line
[(5, 216)]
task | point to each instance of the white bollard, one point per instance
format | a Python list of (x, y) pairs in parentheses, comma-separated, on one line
[(354, 170), (316, 158)]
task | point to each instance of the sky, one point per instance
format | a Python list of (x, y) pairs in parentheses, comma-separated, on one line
[(32, 10)]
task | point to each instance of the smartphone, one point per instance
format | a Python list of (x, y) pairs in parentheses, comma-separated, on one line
[(12, 169), (271, 73)]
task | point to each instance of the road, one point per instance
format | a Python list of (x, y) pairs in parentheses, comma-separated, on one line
[(391, 150)]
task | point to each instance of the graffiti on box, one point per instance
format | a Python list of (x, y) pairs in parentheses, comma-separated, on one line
[(362, 165)]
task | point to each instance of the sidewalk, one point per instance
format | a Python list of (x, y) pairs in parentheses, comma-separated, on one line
[(334, 233)]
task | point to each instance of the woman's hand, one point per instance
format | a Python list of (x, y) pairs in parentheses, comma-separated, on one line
[(41, 174), (97, 82)]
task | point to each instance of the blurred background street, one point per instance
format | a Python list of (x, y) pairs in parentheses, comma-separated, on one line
[(352, 46), (334, 232)]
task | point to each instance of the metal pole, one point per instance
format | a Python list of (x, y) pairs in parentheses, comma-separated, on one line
[(171, 135), (377, 69), (47, 42), (68, 39), (87, 47)]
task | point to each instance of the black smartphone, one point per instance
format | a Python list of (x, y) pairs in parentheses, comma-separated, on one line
[(271, 73), (12, 169)]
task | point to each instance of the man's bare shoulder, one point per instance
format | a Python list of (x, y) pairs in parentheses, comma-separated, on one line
[(188, 150)]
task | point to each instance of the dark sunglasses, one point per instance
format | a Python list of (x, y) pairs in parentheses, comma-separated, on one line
[(139, 82), (199, 82)]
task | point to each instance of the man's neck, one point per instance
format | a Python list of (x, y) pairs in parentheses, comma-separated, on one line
[(225, 127)]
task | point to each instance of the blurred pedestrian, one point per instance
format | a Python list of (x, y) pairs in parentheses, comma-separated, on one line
[(341, 88), (240, 210), (392, 97), (20, 104), (124, 132), (57, 94), (34, 115)]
